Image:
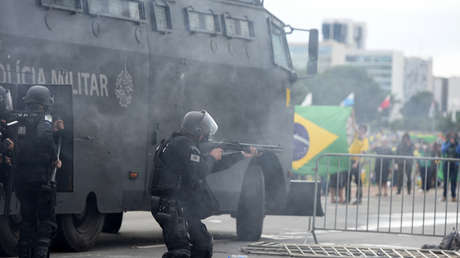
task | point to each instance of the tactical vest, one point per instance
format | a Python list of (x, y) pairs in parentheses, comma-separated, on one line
[(33, 159), (165, 181)]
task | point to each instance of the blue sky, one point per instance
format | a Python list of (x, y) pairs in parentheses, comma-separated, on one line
[(424, 28)]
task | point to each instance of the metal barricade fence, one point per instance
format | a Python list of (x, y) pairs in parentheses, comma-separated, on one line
[(405, 209)]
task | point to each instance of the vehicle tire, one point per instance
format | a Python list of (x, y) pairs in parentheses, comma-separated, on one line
[(112, 223), (78, 232), (251, 207), (9, 235)]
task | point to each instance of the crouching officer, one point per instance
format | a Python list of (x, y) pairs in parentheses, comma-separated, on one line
[(36, 157), (181, 196)]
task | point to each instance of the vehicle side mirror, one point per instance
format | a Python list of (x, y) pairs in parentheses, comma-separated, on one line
[(313, 43)]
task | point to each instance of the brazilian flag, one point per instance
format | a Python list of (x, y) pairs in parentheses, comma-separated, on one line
[(318, 130)]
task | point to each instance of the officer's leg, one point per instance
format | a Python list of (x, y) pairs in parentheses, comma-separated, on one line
[(174, 228), (201, 239), (46, 222), (28, 225)]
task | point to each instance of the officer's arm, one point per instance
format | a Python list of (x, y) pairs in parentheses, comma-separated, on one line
[(227, 161)]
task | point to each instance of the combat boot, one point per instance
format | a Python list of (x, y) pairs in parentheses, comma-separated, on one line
[(41, 252), (24, 252), (201, 253)]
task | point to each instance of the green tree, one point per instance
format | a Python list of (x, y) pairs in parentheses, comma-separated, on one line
[(334, 85), (415, 112)]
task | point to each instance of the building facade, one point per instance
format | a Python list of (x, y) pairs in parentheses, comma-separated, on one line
[(350, 33), (385, 67), (418, 76)]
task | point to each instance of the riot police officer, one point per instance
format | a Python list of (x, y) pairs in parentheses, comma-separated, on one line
[(36, 157), (6, 147), (181, 196)]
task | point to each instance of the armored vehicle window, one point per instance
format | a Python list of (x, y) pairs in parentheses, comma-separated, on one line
[(205, 22), (161, 16), (123, 9), (280, 48), (238, 27), (70, 5)]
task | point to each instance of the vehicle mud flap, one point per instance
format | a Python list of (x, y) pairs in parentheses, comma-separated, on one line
[(300, 200), (9, 233), (112, 223), (251, 207), (78, 232)]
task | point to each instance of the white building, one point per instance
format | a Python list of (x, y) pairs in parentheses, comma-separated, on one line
[(384, 66), (350, 33), (440, 89), (330, 54), (418, 76)]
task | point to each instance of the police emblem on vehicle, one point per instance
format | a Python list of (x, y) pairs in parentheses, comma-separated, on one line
[(124, 88)]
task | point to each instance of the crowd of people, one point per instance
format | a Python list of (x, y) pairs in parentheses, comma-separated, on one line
[(401, 159)]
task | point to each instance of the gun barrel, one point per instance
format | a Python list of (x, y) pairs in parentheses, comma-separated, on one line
[(12, 123), (245, 146)]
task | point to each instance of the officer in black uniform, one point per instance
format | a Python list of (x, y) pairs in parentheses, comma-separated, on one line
[(36, 157), (181, 196), (6, 147)]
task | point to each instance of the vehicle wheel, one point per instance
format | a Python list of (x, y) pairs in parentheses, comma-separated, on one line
[(251, 208), (78, 232), (112, 223), (9, 234)]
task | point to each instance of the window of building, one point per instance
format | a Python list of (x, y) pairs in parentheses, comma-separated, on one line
[(238, 27), (123, 9), (70, 5), (280, 47), (203, 21), (162, 16), (351, 58)]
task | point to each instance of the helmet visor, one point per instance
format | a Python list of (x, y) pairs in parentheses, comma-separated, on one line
[(209, 122)]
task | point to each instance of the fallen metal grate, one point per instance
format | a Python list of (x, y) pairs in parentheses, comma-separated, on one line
[(317, 251)]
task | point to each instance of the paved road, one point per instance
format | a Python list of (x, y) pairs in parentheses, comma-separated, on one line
[(140, 235)]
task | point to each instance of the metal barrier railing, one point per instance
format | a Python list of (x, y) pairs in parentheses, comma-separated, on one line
[(416, 211)]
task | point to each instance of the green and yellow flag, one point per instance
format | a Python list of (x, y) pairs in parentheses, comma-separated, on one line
[(318, 130)]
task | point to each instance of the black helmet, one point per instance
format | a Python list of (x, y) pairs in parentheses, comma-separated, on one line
[(199, 123), (38, 95)]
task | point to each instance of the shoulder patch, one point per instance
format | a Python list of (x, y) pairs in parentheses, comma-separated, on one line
[(195, 157)]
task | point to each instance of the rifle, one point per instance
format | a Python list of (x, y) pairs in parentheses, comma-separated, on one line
[(235, 147), (53, 175)]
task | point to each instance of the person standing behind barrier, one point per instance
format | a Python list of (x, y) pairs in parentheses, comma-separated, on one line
[(359, 145), (405, 148), (450, 149), (435, 166), (424, 167), (382, 166)]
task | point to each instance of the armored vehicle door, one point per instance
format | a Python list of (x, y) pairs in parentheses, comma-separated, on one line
[(62, 109)]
